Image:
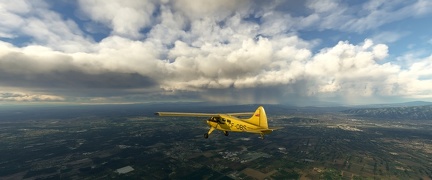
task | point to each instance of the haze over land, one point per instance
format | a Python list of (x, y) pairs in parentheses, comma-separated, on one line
[(297, 52)]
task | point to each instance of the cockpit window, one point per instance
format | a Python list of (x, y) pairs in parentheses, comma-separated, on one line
[(222, 121), (218, 120), (214, 119)]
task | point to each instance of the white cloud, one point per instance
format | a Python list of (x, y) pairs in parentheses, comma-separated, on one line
[(352, 70), (421, 7), (334, 14), (170, 29), (18, 6), (388, 36), (324, 6), (125, 18), (10, 14), (35, 20), (238, 65)]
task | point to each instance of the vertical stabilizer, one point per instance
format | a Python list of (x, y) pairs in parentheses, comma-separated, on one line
[(259, 118)]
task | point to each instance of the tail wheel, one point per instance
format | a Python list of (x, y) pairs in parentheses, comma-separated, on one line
[(226, 133), (206, 135)]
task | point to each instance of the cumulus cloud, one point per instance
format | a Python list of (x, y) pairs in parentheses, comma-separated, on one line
[(255, 62), (125, 18), (416, 81), (352, 70), (217, 10), (226, 51)]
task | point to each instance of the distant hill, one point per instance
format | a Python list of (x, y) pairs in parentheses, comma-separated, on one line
[(399, 113), (404, 104)]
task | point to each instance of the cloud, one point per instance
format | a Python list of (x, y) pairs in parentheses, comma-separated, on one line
[(338, 15), (345, 71), (325, 6), (388, 36), (20, 97), (226, 51), (35, 66), (416, 81), (349, 71), (249, 64), (35, 20), (125, 18), (11, 19), (217, 10)]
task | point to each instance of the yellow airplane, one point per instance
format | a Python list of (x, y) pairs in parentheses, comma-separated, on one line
[(230, 122)]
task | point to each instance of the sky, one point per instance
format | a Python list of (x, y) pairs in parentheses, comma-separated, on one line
[(308, 52)]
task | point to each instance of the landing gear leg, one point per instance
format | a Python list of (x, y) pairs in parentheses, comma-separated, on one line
[(262, 136), (226, 133), (206, 135)]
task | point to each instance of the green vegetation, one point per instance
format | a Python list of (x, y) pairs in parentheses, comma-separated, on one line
[(283, 174), (331, 174)]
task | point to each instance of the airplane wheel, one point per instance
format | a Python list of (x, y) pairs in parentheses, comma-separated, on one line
[(226, 133), (206, 135)]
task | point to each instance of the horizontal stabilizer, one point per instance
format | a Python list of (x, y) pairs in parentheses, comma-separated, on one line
[(276, 128)]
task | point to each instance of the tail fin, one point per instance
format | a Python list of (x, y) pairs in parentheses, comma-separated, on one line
[(259, 118)]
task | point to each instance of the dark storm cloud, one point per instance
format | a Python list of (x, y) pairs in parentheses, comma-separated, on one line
[(77, 80), (293, 93), (19, 70)]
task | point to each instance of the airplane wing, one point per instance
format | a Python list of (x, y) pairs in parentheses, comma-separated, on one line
[(201, 114), (185, 114), (241, 114)]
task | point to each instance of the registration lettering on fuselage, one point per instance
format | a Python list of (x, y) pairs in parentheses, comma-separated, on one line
[(239, 126)]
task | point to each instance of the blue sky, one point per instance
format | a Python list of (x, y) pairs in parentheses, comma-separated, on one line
[(237, 52)]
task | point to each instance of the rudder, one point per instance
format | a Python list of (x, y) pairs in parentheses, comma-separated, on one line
[(259, 118)]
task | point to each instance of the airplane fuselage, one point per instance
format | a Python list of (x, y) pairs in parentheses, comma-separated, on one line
[(230, 123)]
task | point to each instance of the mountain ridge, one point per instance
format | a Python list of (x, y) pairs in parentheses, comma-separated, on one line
[(399, 113)]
